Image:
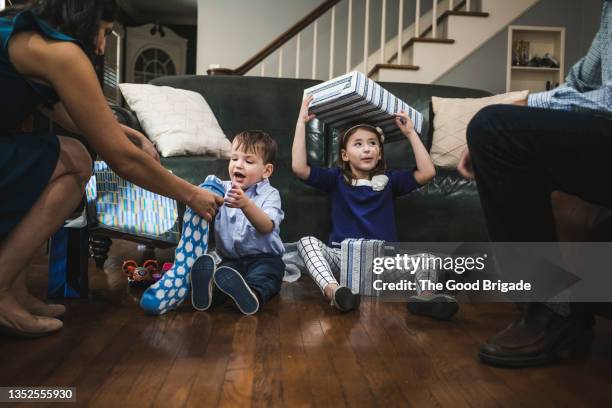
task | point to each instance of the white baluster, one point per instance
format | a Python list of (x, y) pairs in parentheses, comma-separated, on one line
[(417, 20), (297, 55), (314, 50), (262, 69), (280, 62), (349, 35), (366, 36), (400, 31), (451, 5), (383, 29), (468, 5), (332, 41), (434, 24)]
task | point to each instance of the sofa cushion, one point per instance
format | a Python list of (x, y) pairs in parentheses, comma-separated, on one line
[(178, 121), (451, 119)]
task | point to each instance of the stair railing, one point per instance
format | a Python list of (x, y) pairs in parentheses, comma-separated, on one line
[(315, 16)]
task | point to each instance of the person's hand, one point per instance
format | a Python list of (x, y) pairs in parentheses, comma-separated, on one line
[(205, 203), (149, 148), (403, 122), (465, 165), (304, 116), (522, 102), (236, 198)]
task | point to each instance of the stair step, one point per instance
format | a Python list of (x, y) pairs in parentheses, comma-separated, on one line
[(430, 40), (392, 66), (465, 14)]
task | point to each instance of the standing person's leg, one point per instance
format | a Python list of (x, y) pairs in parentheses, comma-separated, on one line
[(520, 155), (323, 263), (60, 197)]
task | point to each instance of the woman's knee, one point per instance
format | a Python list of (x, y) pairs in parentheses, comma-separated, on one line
[(75, 159)]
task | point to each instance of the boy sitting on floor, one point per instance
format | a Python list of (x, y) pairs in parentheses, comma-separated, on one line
[(247, 232)]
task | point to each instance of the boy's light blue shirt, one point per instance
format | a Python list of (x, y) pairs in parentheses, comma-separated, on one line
[(235, 236), (589, 83)]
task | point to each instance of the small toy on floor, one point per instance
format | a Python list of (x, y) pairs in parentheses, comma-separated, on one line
[(142, 276)]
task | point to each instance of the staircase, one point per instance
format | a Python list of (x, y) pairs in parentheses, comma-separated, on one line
[(442, 35)]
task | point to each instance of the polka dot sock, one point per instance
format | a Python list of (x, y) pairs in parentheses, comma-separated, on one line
[(172, 289)]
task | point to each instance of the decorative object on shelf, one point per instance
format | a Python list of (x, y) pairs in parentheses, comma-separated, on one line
[(536, 58)]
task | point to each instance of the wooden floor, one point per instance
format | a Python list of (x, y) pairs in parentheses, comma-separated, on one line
[(297, 352)]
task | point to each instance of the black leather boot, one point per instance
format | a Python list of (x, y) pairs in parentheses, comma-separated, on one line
[(537, 337)]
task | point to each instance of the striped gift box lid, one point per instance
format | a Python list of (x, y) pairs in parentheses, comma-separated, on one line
[(354, 98)]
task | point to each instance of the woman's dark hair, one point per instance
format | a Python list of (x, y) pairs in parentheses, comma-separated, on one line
[(346, 167), (79, 19)]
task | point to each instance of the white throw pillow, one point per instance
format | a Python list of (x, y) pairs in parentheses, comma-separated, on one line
[(451, 118), (178, 121)]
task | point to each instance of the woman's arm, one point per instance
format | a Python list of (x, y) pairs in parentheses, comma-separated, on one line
[(71, 74), (425, 169), (299, 162)]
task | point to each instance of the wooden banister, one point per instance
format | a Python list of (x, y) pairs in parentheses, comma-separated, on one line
[(277, 43)]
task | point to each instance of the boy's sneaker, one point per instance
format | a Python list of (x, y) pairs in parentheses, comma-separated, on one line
[(202, 283), (345, 300), (230, 282), (438, 306)]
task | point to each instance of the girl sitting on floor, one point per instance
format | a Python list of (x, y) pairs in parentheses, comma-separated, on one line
[(362, 203)]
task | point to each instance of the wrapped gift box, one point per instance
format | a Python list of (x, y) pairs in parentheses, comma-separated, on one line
[(356, 264), (354, 98), (121, 206)]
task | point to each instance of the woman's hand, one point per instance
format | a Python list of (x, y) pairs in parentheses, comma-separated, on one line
[(149, 148), (141, 141), (403, 122), (205, 203), (465, 165), (304, 117)]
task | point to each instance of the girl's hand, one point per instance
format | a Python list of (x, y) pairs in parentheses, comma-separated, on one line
[(403, 122), (304, 116), (236, 198), (149, 148)]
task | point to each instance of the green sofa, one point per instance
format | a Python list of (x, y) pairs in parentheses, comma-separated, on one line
[(447, 209)]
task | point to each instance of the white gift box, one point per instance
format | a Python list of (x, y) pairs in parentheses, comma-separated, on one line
[(354, 98), (357, 264)]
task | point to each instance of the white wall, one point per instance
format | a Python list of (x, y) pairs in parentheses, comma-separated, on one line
[(230, 32)]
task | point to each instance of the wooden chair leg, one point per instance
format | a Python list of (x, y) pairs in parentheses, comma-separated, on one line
[(100, 245)]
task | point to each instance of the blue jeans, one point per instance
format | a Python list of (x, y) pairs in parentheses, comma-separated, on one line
[(263, 273)]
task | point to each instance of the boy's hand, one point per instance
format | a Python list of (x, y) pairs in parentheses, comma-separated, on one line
[(236, 198), (403, 122), (304, 116)]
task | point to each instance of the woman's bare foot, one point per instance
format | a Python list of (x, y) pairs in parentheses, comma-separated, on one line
[(39, 308), (31, 303), (16, 320)]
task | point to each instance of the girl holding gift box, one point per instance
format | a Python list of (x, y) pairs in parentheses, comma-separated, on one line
[(362, 196)]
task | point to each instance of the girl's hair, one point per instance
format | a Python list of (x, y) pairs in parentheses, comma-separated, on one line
[(346, 167), (79, 19)]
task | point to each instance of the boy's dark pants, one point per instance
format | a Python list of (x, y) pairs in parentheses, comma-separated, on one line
[(263, 273)]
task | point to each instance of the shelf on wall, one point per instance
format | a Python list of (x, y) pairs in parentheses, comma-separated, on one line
[(541, 40)]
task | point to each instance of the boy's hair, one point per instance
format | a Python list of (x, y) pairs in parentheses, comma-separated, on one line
[(346, 167), (258, 142)]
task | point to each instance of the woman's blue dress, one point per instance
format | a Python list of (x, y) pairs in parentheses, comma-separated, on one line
[(27, 160)]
